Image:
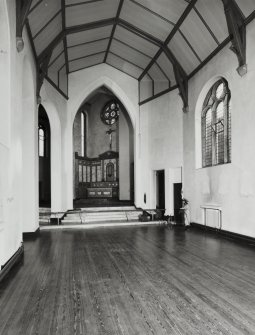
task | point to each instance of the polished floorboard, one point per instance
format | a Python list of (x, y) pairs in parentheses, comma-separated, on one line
[(138, 280)]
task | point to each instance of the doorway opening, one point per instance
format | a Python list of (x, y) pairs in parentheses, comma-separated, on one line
[(103, 152), (44, 138), (177, 202), (160, 189)]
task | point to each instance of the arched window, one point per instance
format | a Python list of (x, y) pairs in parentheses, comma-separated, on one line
[(42, 139), (83, 134), (216, 125)]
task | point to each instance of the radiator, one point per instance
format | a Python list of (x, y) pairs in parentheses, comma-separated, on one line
[(212, 216)]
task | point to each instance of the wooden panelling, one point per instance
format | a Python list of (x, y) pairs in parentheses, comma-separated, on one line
[(246, 6), (92, 11), (123, 65), (89, 35), (130, 54), (53, 75), (42, 14), (213, 14), (145, 20), (56, 52), (60, 61), (86, 62), (87, 49), (135, 41), (48, 34), (167, 67), (183, 53), (169, 9), (198, 35)]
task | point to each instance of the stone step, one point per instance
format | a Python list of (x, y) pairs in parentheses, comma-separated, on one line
[(107, 209), (78, 225)]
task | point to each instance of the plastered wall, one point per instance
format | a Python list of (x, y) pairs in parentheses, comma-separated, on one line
[(18, 133), (161, 136), (230, 186)]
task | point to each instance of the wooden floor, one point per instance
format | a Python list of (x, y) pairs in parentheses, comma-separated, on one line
[(149, 280)]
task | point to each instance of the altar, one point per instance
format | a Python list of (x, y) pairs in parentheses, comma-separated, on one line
[(97, 177)]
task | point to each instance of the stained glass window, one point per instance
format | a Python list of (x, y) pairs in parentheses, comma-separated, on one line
[(216, 125)]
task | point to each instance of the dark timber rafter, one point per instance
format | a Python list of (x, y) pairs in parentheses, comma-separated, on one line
[(180, 75), (113, 29), (237, 30), (42, 70), (64, 39), (22, 10)]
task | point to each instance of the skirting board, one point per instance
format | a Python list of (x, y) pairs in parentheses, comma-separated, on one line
[(225, 233), (31, 235), (16, 258)]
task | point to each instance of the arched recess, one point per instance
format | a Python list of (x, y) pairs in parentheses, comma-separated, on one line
[(73, 106), (198, 111), (29, 149), (56, 156), (108, 158), (44, 146)]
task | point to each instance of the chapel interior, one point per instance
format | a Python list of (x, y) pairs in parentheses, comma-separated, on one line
[(127, 184)]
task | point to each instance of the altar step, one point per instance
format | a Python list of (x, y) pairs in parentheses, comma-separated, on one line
[(100, 215)]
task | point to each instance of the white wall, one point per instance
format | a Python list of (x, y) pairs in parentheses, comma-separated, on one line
[(231, 186), (124, 159), (14, 102), (161, 146)]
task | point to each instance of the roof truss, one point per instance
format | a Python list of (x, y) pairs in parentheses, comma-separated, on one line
[(236, 24)]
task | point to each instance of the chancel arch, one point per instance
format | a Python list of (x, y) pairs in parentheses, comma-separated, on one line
[(103, 164)]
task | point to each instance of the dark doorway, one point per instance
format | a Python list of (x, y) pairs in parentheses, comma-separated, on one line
[(177, 202), (160, 189)]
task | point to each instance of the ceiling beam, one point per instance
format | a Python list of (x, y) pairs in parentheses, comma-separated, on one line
[(113, 29), (73, 30), (22, 10), (180, 77), (63, 13), (237, 30), (42, 70), (170, 36)]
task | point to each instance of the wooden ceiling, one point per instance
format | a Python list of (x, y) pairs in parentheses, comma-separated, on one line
[(146, 39)]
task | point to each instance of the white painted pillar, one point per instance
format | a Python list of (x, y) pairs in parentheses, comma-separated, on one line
[(30, 166)]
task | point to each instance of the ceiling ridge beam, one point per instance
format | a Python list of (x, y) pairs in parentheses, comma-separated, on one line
[(237, 30), (113, 29), (22, 10)]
